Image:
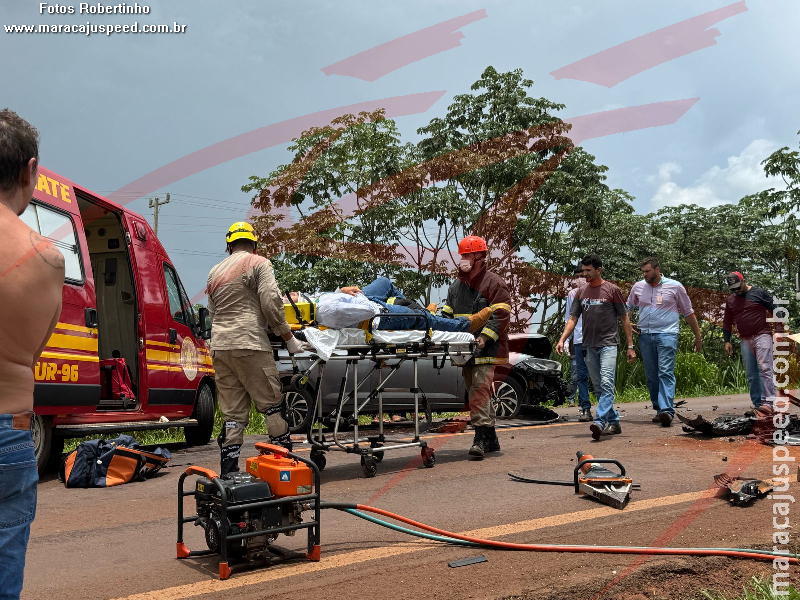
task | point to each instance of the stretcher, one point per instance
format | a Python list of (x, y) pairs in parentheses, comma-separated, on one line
[(386, 350)]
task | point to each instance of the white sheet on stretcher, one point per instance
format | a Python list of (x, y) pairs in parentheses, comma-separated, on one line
[(326, 341)]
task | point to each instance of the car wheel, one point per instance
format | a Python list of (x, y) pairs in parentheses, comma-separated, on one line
[(299, 402), (507, 398)]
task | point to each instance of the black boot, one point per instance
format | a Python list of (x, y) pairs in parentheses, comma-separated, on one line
[(229, 459), (284, 440), (490, 441), (477, 448)]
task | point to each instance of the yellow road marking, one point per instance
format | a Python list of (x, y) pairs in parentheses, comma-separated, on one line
[(346, 559)]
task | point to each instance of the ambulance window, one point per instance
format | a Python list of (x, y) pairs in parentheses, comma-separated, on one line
[(59, 229), (173, 291)]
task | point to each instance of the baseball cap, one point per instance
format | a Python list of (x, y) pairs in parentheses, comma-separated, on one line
[(734, 280)]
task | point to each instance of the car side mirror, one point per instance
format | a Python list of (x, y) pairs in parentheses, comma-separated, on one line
[(205, 323)]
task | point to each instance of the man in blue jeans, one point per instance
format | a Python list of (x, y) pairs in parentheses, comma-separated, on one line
[(32, 267), (661, 301), (600, 304), (752, 309), (579, 374)]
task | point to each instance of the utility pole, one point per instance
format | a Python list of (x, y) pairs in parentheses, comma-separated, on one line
[(154, 204)]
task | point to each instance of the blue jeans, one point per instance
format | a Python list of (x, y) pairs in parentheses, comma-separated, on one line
[(658, 355), (602, 365), (18, 480), (382, 289), (579, 377), (758, 363)]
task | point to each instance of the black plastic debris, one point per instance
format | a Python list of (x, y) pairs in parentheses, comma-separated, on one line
[(719, 427), (742, 491), (465, 562)]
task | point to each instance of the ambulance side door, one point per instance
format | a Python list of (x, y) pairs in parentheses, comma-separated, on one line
[(184, 370)]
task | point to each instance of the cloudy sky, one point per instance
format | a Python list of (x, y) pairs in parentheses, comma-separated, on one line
[(112, 109)]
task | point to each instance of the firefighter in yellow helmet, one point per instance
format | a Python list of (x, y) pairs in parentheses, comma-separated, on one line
[(244, 302)]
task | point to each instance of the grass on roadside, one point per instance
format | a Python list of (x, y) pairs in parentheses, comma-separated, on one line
[(758, 589)]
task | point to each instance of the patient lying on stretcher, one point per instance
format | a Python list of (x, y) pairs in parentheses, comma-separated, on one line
[(386, 298)]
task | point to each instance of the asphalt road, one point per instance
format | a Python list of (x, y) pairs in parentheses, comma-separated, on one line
[(120, 542)]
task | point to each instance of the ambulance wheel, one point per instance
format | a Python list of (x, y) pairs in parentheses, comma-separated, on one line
[(428, 457), (204, 409), (42, 433), (318, 458), (369, 466)]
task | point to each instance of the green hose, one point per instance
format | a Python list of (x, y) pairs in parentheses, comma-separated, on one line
[(449, 540)]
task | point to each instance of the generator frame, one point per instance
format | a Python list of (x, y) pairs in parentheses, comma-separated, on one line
[(307, 501)]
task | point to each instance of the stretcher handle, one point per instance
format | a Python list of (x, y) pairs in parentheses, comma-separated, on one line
[(202, 471), (265, 448)]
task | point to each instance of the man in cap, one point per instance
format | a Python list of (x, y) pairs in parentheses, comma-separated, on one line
[(749, 307), (476, 289), (244, 302)]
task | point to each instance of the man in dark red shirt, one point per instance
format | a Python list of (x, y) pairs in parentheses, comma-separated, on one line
[(749, 307)]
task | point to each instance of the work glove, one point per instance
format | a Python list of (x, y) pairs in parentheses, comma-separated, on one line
[(294, 346)]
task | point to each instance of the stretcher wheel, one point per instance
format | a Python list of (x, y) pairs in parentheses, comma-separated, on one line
[(369, 466), (318, 458), (428, 457), (376, 454)]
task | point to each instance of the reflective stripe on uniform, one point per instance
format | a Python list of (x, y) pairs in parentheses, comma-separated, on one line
[(489, 333), (447, 309), (501, 306), (490, 360), (391, 300), (463, 315)]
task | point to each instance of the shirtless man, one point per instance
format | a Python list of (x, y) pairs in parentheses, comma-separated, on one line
[(30, 268)]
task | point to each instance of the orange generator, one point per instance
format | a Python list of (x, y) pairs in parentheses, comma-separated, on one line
[(244, 513)]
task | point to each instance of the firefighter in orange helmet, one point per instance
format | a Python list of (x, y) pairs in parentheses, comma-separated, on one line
[(475, 289)]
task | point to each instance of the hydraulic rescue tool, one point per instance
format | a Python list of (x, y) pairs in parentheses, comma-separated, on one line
[(244, 513), (592, 479)]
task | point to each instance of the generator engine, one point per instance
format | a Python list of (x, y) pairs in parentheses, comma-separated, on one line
[(243, 513), (240, 489)]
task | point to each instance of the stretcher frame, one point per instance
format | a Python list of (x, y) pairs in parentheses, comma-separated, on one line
[(371, 448)]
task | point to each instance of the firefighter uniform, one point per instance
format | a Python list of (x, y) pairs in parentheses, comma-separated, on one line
[(244, 301), (476, 289), (463, 299)]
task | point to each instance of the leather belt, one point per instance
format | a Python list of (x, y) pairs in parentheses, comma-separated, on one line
[(22, 420)]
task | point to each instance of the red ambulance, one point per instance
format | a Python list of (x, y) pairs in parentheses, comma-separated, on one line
[(129, 352)]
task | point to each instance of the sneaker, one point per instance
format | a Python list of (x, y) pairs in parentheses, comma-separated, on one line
[(596, 430), (665, 419), (612, 429), (585, 415)]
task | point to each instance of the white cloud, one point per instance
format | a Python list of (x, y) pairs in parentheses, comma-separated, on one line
[(743, 175)]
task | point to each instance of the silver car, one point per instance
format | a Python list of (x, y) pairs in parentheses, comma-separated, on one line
[(529, 379)]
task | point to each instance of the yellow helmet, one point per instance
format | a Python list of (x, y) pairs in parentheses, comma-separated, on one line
[(240, 231)]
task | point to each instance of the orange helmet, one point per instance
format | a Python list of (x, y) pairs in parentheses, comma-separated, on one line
[(472, 243)]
